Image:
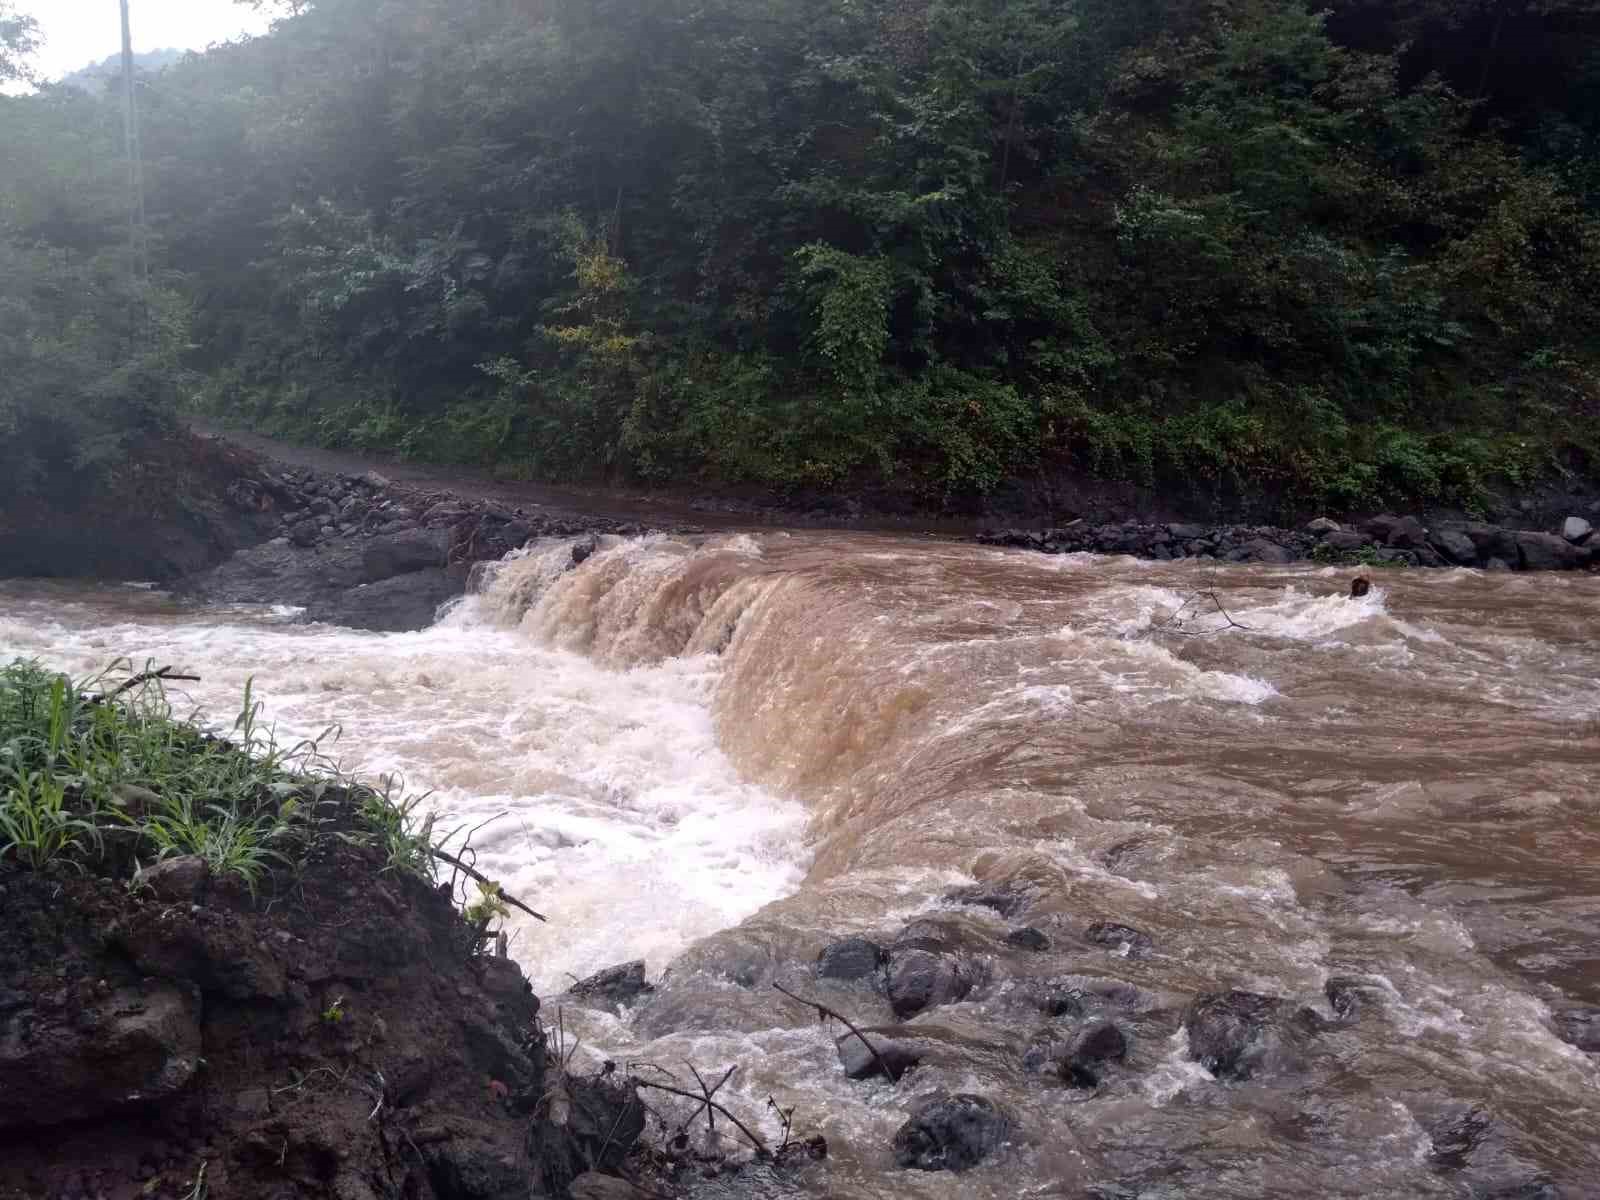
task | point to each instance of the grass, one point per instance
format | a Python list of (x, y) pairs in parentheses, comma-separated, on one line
[(95, 778)]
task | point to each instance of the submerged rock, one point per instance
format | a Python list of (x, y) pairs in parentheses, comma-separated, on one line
[(921, 979), (1093, 1048), (1231, 1033), (1027, 938), (1122, 939), (850, 958), (860, 1063), (1007, 899), (954, 1133), (615, 986)]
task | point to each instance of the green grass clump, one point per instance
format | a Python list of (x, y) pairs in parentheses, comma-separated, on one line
[(96, 777)]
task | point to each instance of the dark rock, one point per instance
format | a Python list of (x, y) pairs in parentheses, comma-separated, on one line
[(1007, 899), (1581, 1027), (1408, 533), (1322, 526), (850, 958), (399, 554), (859, 1063), (132, 1046), (604, 1120), (1027, 938), (1123, 939), (305, 533), (1576, 529), (1060, 998), (1263, 550), (1548, 552), (1497, 564), (924, 934), (615, 986), (177, 878), (921, 979), (951, 1134), (1188, 533), (1455, 546), (1094, 1047), (1347, 541), (1348, 997), (1492, 541), (397, 605), (1231, 1033), (584, 549)]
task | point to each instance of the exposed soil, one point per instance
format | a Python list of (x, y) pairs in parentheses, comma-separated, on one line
[(336, 1039)]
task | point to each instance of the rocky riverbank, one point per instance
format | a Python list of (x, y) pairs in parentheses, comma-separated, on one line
[(368, 553), (1385, 540)]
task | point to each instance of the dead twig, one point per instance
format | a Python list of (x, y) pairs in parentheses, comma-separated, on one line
[(474, 873), (824, 1012), (711, 1123), (165, 674), (1174, 622), (760, 1146)]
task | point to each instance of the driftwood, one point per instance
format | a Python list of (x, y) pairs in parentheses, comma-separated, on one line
[(165, 674), (1174, 623), (474, 873), (824, 1012), (704, 1099)]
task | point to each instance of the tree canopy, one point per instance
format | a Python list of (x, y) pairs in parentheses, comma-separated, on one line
[(1243, 247)]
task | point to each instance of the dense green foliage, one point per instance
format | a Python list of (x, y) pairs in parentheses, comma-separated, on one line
[(1248, 247)]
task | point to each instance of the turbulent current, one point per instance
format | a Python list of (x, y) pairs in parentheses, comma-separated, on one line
[(722, 754)]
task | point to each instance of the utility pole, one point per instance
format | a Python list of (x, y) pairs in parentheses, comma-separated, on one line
[(137, 237)]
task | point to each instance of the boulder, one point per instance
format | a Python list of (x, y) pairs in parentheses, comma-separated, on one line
[(953, 1133), (1491, 541), (925, 934), (1322, 526), (614, 986), (1028, 938), (1576, 530), (401, 553), (397, 605), (1122, 939), (860, 1063), (1580, 1027), (921, 979), (1007, 899), (1093, 1048), (1407, 533), (1231, 1033), (1548, 552), (1263, 550), (1454, 546), (1188, 533), (133, 1046), (1346, 541), (850, 958)]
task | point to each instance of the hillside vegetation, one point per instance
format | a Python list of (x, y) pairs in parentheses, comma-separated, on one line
[(1245, 250)]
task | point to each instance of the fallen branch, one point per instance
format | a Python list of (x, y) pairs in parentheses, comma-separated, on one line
[(708, 1093), (1174, 623), (824, 1012), (166, 674), (473, 873), (761, 1147)]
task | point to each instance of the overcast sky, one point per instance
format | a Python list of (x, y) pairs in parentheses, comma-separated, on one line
[(79, 32)]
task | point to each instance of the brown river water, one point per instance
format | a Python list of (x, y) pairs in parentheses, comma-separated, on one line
[(720, 754)]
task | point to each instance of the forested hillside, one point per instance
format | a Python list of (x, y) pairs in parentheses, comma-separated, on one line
[(1238, 248)]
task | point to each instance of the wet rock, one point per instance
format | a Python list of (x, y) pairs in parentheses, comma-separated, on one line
[(1231, 1033), (1580, 1027), (615, 986), (178, 878), (1350, 997), (1454, 546), (1120, 939), (921, 979), (591, 1185), (1263, 550), (584, 549), (925, 934), (1322, 526), (1491, 541), (1188, 533), (1576, 529), (134, 1045), (954, 1133), (1347, 541), (397, 605), (860, 1063), (1497, 564), (399, 554), (850, 958), (1027, 938), (1095, 1046), (1007, 899), (1060, 998), (1548, 552)]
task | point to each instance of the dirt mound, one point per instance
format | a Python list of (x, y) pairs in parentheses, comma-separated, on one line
[(336, 1039)]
